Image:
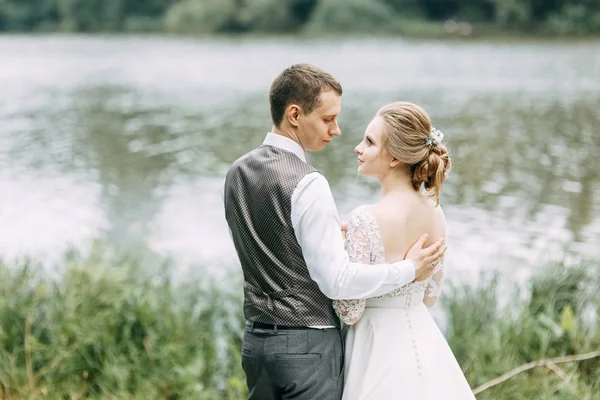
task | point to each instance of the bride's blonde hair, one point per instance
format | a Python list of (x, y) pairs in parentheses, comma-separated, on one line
[(409, 137)]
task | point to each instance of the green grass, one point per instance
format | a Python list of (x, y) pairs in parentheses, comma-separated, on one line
[(557, 315), (110, 330), (112, 327)]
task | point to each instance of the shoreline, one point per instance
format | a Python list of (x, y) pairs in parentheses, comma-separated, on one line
[(477, 36)]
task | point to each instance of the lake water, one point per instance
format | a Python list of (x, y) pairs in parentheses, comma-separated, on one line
[(127, 140)]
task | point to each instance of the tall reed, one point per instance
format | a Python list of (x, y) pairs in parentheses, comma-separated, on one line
[(112, 327)]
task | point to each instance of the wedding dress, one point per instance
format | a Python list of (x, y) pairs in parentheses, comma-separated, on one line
[(394, 350)]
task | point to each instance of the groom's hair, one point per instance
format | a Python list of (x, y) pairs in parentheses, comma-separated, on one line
[(300, 84)]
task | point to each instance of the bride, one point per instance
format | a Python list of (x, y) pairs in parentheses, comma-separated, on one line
[(394, 348)]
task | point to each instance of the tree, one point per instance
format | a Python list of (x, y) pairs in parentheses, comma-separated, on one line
[(353, 16), (199, 16), (90, 15)]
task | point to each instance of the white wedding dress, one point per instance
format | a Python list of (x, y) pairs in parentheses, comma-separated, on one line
[(395, 350)]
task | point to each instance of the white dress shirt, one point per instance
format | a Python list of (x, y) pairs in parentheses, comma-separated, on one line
[(317, 227)]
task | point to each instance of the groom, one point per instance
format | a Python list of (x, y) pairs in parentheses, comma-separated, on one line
[(287, 235)]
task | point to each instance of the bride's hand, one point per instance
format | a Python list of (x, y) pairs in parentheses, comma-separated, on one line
[(425, 259)]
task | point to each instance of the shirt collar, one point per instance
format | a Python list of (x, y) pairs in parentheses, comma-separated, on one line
[(284, 143)]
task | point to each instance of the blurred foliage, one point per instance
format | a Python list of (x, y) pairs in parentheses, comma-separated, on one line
[(573, 17), (207, 16), (199, 16), (110, 329), (353, 16), (558, 316), (113, 327)]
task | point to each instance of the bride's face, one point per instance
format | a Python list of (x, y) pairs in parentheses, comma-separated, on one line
[(373, 159)]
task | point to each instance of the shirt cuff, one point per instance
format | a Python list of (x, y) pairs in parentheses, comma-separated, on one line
[(402, 272)]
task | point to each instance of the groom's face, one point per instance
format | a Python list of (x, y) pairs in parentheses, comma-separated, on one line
[(317, 129)]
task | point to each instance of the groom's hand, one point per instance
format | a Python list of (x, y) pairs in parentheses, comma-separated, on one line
[(425, 259), (344, 228)]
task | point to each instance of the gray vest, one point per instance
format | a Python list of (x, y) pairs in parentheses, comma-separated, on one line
[(277, 286)]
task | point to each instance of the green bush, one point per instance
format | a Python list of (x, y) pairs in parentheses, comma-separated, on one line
[(557, 317), (199, 16), (579, 19), (266, 16), (512, 13), (90, 15), (113, 327), (110, 329), (143, 24), (356, 16), (212, 16)]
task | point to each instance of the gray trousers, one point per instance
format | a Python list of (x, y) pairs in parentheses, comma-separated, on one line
[(304, 364)]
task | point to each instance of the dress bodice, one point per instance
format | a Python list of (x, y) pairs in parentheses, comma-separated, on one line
[(364, 244)]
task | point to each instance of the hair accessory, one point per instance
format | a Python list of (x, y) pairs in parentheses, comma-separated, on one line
[(435, 137)]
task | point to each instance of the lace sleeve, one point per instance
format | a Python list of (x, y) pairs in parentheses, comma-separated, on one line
[(359, 251), (433, 290), (434, 285)]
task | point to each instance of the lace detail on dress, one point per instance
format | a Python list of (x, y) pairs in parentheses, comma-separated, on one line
[(363, 239), (430, 285), (364, 245), (349, 311), (361, 234), (434, 288), (434, 291)]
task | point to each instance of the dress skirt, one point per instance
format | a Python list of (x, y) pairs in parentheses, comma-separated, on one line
[(396, 351)]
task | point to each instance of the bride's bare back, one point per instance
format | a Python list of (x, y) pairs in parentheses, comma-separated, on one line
[(403, 217)]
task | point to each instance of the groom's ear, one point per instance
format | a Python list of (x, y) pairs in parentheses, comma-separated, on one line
[(293, 114)]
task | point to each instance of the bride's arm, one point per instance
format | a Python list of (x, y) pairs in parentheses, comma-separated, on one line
[(434, 288), (349, 311), (359, 251)]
